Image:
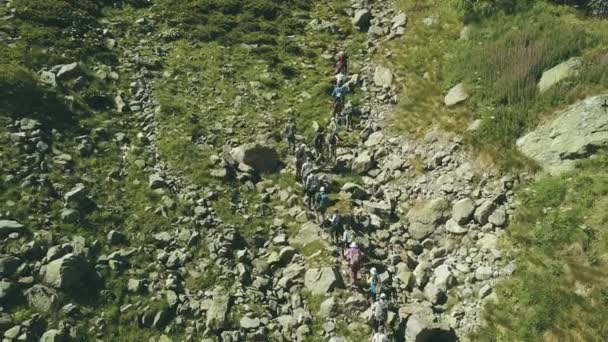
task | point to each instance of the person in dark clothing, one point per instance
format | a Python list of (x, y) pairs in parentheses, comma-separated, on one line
[(300, 159), (332, 145), (319, 143), (290, 134), (342, 65)]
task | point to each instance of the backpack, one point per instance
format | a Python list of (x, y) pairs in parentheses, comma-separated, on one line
[(323, 201), (380, 311)]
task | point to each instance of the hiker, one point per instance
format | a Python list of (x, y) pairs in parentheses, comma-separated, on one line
[(307, 169), (300, 159), (379, 314), (342, 65), (335, 224), (340, 78), (311, 186), (339, 93), (353, 257), (379, 337), (348, 237), (319, 143), (374, 284), (290, 133), (345, 116), (332, 145), (322, 204)]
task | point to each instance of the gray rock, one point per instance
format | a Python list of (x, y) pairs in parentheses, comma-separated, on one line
[(463, 210), (456, 95), (444, 279), (249, 323), (427, 217), (374, 139), (13, 332), (498, 218), (217, 313), (362, 163), (8, 227), (328, 308), (383, 77), (9, 265), (362, 18), (115, 237), (422, 328), (42, 298), (66, 272), (76, 196), (68, 71), (574, 134), (454, 228), (559, 72), (355, 191), (399, 20), (484, 211), (483, 273), (261, 158), (156, 181), (321, 281), (54, 335)]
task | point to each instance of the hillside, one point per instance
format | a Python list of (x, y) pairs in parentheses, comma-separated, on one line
[(148, 192)]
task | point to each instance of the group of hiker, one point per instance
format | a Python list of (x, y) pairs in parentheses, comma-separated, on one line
[(316, 192)]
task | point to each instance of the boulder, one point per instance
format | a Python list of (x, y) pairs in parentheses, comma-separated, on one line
[(456, 95), (328, 308), (422, 328), (42, 298), (362, 18), (261, 158), (383, 77), (374, 139), (66, 272), (322, 280), (362, 163), (54, 335), (156, 181), (426, 217), (9, 265), (76, 196), (574, 134), (498, 218), (249, 323), (8, 227), (559, 72), (9, 292), (218, 311), (68, 71), (453, 227), (463, 210), (399, 20), (355, 191), (483, 273), (484, 211)]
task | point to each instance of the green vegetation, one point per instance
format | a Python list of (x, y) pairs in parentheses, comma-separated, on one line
[(559, 242), (500, 64)]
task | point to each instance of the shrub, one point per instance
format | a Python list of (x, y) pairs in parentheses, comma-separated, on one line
[(598, 8), (473, 10)]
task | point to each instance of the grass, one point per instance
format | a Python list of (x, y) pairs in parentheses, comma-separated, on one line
[(500, 64), (559, 242)]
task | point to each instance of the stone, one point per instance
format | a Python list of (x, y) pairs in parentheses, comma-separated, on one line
[(66, 272), (355, 191), (218, 311), (156, 181), (487, 242), (8, 227), (483, 273), (374, 139), (454, 228), (120, 104), (9, 265), (53, 335), (463, 211), (42, 298), (249, 323), (261, 158), (558, 73), (328, 308), (47, 78), (362, 163), (362, 19), (484, 211), (574, 134), (456, 95), (286, 255), (322, 280), (309, 232), (13, 332), (383, 77), (135, 285), (68, 71), (425, 218), (498, 218), (116, 238), (421, 328), (444, 279), (399, 20)]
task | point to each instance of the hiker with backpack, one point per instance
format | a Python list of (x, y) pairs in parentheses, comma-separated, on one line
[(373, 281), (322, 205), (348, 237), (335, 225), (307, 168), (353, 257), (342, 64), (379, 314), (311, 186), (319, 143), (345, 116), (332, 145), (290, 133), (300, 160)]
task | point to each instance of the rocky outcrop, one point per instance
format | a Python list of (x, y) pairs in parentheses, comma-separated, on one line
[(456, 95), (575, 133), (261, 158), (66, 272), (558, 73)]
